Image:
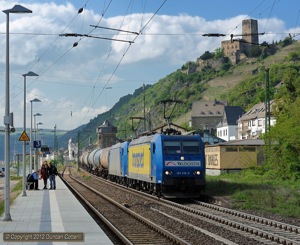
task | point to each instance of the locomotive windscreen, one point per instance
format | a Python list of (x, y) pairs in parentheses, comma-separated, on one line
[(181, 147), (190, 147)]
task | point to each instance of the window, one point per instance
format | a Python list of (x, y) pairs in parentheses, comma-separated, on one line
[(260, 123), (229, 149), (171, 147), (191, 147), (247, 148)]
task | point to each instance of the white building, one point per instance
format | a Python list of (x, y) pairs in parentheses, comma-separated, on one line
[(227, 128), (252, 124), (72, 150)]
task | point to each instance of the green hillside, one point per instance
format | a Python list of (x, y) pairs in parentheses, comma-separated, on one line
[(241, 84)]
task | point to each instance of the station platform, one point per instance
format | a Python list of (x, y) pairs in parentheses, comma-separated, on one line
[(47, 217)]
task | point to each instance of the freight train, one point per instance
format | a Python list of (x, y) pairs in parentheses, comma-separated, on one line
[(170, 166)]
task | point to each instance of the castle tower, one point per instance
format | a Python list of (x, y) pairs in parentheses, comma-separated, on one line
[(106, 134), (250, 31), (236, 50)]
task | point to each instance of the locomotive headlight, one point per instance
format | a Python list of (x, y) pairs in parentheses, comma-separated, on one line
[(198, 172), (182, 158), (168, 172)]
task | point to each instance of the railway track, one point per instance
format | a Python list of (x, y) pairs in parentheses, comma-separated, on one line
[(199, 221), (279, 232), (130, 227)]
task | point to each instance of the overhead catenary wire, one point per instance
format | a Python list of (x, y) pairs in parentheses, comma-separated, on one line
[(151, 34), (86, 35), (74, 44), (120, 61), (46, 51), (296, 23), (114, 29), (104, 64), (272, 7), (51, 45)]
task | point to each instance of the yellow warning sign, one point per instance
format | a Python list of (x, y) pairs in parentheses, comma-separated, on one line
[(24, 137)]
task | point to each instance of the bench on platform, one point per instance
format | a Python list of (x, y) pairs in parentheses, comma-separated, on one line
[(30, 182)]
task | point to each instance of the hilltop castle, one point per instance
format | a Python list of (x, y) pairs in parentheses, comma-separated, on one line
[(235, 49)]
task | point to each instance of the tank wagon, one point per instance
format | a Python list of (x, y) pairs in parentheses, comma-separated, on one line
[(90, 159), (172, 166), (84, 159)]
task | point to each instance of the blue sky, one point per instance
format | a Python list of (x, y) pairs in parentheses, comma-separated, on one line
[(78, 83)]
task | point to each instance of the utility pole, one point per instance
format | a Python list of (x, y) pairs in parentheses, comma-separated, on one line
[(267, 103), (55, 147), (144, 108), (267, 113), (78, 149)]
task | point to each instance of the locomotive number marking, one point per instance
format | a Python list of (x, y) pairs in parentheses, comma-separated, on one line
[(183, 173)]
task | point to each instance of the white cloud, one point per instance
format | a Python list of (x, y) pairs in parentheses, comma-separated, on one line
[(72, 79)]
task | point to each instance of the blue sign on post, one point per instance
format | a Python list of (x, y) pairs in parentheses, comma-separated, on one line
[(37, 144)]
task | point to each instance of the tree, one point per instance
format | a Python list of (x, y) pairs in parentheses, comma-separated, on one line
[(207, 55), (219, 53), (255, 51), (284, 151)]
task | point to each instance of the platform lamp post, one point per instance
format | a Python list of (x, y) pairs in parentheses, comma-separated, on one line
[(34, 161), (8, 118), (37, 138), (106, 93), (55, 144), (37, 130), (29, 74), (31, 141)]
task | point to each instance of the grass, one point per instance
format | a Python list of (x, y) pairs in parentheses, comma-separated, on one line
[(247, 191), (14, 192)]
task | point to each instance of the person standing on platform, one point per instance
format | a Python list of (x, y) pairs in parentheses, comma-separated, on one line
[(52, 172), (44, 173)]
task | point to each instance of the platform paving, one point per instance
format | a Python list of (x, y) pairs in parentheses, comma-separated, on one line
[(52, 217)]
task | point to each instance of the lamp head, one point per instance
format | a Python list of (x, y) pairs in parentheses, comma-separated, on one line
[(30, 74), (35, 100), (17, 9)]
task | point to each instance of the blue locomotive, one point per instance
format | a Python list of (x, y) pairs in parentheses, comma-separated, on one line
[(172, 166)]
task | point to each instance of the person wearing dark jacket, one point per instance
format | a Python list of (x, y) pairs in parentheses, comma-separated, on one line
[(52, 172), (44, 173)]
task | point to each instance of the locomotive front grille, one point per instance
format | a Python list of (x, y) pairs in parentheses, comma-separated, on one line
[(179, 184)]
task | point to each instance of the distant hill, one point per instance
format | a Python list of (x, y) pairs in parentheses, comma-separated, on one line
[(241, 84), (16, 146)]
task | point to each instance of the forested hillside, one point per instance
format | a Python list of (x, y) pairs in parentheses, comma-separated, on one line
[(242, 85)]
